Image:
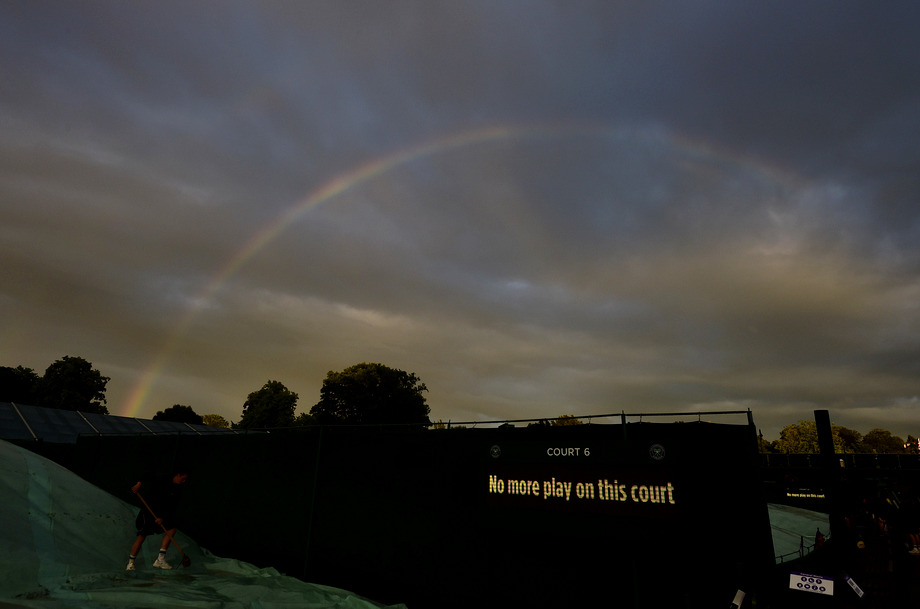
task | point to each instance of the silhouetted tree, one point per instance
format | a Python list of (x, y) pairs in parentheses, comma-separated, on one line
[(563, 420), (849, 438), (304, 420), (271, 406), (72, 383), (881, 441), (215, 420), (371, 393), (802, 437), (180, 414), (19, 385), (763, 445)]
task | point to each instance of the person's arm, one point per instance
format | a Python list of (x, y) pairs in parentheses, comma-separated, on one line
[(136, 489), (147, 479)]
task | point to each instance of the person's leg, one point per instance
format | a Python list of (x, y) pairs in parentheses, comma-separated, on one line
[(161, 558), (137, 545), (135, 548), (166, 539)]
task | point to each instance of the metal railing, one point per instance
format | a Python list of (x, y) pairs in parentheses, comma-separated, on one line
[(621, 417), (802, 552), (846, 460)]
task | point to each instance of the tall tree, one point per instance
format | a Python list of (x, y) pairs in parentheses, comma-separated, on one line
[(849, 438), (19, 385), (179, 413), (881, 441), (802, 437), (215, 420), (271, 406), (71, 383), (371, 393)]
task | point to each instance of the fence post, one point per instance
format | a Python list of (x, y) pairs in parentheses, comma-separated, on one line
[(316, 474)]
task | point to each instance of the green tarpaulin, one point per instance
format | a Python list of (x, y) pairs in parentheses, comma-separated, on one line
[(64, 544)]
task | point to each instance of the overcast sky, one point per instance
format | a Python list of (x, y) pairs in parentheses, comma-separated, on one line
[(537, 207)]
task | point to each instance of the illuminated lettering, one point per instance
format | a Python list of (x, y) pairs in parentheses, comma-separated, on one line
[(651, 494), (565, 452), (603, 490), (584, 490), (552, 488), (632, 493), (611, 492), (496, 485), (661, 494), (523, 487)]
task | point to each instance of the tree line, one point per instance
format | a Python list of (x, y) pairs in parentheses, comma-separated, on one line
[(802, 438), (70, 383), (363, 394)]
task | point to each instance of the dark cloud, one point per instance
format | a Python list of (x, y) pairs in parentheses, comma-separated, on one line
[(679, 208)]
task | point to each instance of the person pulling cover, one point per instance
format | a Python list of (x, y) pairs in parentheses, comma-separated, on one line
[(162, 495)]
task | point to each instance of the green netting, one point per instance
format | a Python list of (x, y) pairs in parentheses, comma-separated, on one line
[(64, 543)]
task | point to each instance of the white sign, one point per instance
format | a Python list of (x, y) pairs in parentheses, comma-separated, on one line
[(859, 591), (811, 583)]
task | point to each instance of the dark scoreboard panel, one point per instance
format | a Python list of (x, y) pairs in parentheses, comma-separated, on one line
[(635, 515), (665, 514)]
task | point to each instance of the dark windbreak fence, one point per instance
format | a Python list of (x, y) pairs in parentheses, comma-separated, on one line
[(487, 517)]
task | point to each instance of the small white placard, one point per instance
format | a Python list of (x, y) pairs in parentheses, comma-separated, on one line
[(811, 583)]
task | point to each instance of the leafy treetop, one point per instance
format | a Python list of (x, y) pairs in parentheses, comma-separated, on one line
[(215, 420), (72, 383), (802, 437), (371, 393), (18, 385), (271, 406), (180, 414)]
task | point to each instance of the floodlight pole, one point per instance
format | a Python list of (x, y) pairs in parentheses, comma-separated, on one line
[(830, 467)]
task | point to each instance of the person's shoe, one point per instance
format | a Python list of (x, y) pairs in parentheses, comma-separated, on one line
[(130, 566), (160, 563)]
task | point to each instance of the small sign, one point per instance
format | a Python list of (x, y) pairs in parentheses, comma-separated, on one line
[(811, 583), (859, 591)]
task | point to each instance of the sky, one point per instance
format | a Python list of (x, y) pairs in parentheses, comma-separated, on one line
[(539, 208)]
